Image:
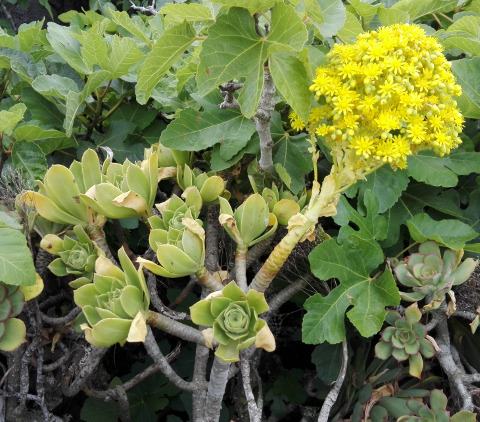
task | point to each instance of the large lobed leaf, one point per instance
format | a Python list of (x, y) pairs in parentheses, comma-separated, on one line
[(167, 49), (233, 50), (194, 130), (352, 264), (467, 72), (442, 171)]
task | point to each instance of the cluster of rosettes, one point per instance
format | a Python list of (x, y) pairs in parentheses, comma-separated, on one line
[(386, 96)]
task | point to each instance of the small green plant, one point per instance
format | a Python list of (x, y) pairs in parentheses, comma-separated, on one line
[(112, 301), (76, 256), (234, 317), (406, 339), (430, 274)]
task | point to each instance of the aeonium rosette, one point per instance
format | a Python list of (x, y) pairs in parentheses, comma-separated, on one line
[(76, 256), (427, 272), (178, 238), (233, 316), (112, 301)]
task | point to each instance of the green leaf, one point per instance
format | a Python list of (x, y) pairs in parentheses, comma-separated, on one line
[(16, 263), (67, 47), (137, 114), (444, 201), (31, 131), (125, 53), (217, 163), (392, 16), (366, 10), (167, 49), (42, 109), (252, 5), (419, 8), (75, 100), (135, 27), (466, 71), (9, 118), (29, 34), (94, 48), (404, 209), (292, 80), (472, 213), (116, 139), (94, 410), (292, 153), (328, 361), (386, 183), (352, 264), (328, 16), (370, 226), (350, 29), (233, 50), (54, 86), (462, 42), (428, 167), (22, 63), (468, 24), (194, 130), (30, 159), (192, 12), (450, 233)]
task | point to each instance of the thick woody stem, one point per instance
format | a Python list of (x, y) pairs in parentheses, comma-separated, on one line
[(160, 360), (97, 235), (254, 411), (216, 389), (241, 267), (175, 328), (262, 123), (206, 279)]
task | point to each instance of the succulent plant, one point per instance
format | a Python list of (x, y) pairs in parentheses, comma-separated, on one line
[(234, 318), (428, 273), (249, 224), (127, 190), (282, 203), (76, 256), (168, 157), (437, 412), (58, 197), (112, 301), (178, 238), (12, 330), (415, 410), (406, 338), (208, 185)]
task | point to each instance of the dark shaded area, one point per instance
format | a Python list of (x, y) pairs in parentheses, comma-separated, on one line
[(20, 12)]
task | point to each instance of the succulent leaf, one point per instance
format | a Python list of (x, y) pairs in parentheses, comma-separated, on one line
[(234, 318), (112, 301), (405, 338), (429, 273)]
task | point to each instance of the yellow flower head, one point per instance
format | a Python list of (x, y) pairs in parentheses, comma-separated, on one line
[(385, 97)]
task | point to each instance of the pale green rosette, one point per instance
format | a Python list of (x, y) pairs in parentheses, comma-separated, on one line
[(429, 273), (76, 256), (233, 317), (406, 339), (112, 301)]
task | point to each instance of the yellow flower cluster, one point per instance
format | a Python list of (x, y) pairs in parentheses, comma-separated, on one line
[(385, 97)]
